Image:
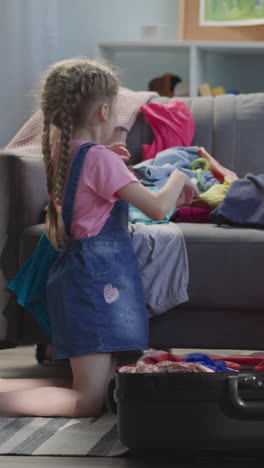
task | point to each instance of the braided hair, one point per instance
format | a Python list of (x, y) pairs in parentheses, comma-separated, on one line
[(70, 90)]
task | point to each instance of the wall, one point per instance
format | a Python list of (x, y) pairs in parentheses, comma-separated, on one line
[(35, 33), (111, 19), (28, 43)]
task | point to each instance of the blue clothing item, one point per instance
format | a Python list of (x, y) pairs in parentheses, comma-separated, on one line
[(94, 290), (135, 215), (157, 170), (216, 366), (243, 203), (30, 283)]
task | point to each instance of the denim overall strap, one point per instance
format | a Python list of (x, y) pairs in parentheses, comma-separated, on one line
[(72, 183)]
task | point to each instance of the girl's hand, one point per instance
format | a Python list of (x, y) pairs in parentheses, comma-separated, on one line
[(121, 150), (189, 192)]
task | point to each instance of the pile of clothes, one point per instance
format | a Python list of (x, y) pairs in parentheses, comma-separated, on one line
[(160, 362), (173, 127)]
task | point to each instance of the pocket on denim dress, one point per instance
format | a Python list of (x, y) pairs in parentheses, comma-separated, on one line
[(101, 258)]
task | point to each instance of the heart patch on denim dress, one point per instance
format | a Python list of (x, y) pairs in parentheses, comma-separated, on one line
[(110, 294)]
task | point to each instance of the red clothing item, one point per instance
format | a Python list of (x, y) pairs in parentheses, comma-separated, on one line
[(190, 214), (171, 123)]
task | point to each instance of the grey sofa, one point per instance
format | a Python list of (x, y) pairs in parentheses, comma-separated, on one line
[(226, 292)]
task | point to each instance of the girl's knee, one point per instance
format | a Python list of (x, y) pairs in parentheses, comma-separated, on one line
[(87, 406)]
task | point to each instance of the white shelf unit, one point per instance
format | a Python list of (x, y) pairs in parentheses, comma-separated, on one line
[(234, 65)]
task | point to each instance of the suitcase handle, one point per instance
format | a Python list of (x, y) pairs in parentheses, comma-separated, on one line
[(248, 407)]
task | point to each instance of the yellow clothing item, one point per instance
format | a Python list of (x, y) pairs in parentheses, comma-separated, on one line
[(215, 195)]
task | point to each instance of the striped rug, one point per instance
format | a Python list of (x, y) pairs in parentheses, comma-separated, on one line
[(61, 436)]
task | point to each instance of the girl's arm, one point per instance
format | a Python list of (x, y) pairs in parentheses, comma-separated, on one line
[(157, 205)]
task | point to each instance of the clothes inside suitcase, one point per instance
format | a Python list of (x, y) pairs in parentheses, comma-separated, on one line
[(191, 412)]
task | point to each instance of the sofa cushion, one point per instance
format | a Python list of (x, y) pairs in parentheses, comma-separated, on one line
[(219, 258)]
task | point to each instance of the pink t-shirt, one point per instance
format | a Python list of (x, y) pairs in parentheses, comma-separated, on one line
[(103, 174)]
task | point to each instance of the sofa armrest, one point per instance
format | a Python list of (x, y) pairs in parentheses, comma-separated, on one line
[(23, 194)]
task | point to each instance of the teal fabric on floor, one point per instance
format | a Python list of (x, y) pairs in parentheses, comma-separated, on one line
[(31, 292)]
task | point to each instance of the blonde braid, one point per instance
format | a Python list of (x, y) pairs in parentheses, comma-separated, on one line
[(70, 90), (61, 174), (66, 136), (51, 219), (46, 150)]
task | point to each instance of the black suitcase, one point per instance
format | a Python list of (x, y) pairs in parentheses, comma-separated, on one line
[(192, 412)]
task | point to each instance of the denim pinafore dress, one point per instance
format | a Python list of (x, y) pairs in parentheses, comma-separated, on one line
[(94, 289)]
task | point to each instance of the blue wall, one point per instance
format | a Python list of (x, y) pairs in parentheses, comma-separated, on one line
[(35, 33), (111, 19)]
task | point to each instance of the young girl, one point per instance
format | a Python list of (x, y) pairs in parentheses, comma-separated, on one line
[(94, 291)]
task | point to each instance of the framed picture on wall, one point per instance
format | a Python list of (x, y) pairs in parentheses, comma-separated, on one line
[(218, 20), (231, 12)]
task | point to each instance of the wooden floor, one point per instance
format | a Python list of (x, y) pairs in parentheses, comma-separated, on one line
[(38, 462), (20, 362)]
